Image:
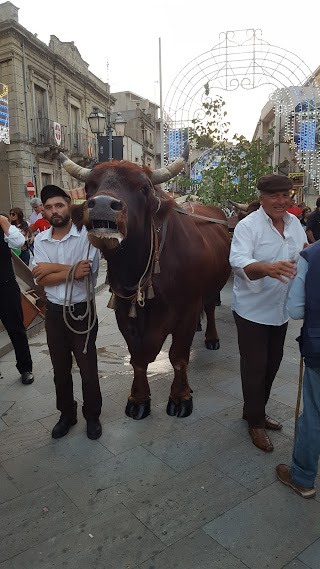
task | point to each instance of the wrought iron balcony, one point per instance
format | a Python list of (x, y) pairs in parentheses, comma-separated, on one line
[(49, 133), (83, 144)]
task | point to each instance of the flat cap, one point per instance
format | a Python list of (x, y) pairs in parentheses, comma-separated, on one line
[(273, 183)]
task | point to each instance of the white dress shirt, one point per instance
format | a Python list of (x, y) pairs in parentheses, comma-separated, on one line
[(15, 239), (297, 293), (255, 239), (34, 217), (72, 248)]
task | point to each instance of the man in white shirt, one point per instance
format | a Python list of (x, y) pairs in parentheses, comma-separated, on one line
[(37, 207), (263, 256), (56, 250), (10, 299)]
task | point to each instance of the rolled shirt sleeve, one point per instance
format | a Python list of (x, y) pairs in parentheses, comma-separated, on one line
[(241, 253), (15, 239)]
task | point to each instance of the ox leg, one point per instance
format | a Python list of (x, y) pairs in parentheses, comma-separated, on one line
[(180, 401), (138, 406), (212, 339)]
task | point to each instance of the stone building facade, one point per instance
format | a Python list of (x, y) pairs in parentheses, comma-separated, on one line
[(51, 94)]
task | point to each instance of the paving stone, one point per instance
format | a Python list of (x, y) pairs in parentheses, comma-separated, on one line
[(18, 392), (22, 412), (20, 440), (183, 504), (126, 433), (113, 540), (194, 444), (41, 467), (311, 556), (296, 564), (196, 551), (111, 481), (286, 394), (29, 519), (269, 529), (8, 491), (250, 466)]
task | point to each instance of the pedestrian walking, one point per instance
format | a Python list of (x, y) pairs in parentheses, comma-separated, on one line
[(304, 303), (263, 256), (69, 305), (10, 300)]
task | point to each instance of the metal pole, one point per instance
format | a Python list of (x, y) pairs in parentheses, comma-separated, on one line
[(161, 110), (109, 135)]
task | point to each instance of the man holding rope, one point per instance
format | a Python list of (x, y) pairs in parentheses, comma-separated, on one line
[(67, 266), (304, 302)]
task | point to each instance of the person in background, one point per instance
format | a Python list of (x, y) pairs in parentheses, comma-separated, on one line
[(37, 207), (263, 255), (305, 214), (294, 209), (10, 299), (55, 252), (17, 219), (313, 224), (40, 225), (304, 303)]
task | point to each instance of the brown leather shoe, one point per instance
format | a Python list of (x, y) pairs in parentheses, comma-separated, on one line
[(273, 424), (260, 439), (283, 474)]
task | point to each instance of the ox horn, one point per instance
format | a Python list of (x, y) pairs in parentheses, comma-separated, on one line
[(74, 169), (241, 206), (172, 170)]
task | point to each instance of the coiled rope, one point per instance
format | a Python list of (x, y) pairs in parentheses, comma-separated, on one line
[(90, 311)]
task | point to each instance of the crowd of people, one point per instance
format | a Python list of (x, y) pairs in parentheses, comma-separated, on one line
[(276, 275)]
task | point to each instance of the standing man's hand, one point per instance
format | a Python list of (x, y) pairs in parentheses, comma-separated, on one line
[(83, 269), (282, 270)]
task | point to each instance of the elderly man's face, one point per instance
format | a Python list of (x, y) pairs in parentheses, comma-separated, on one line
[(38, 208), (275, 205)]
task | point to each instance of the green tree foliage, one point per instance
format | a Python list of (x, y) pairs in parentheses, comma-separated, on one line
[(241, 162)]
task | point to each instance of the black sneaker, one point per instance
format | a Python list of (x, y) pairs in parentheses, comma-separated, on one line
[(27, 378), (94, 428), (62, 427)]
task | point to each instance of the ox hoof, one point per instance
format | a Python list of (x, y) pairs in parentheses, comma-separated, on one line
[(182, 409), (212, 344), (138, 410)]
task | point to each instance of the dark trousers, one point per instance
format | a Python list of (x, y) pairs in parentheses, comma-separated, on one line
[(261, 351), (12, 319), (62, 342)]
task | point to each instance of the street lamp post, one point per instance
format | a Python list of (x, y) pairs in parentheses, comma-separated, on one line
[(100, 123)]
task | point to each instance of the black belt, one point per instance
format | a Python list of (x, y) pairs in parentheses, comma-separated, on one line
[(71, 307)]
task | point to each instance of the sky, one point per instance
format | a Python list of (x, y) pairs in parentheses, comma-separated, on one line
[(120, 41)]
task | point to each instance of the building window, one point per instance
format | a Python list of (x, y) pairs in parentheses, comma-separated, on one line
[(46, 179), (75, 129), (41, 115)]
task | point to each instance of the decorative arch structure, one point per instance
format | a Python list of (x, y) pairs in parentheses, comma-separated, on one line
[(242, 59)]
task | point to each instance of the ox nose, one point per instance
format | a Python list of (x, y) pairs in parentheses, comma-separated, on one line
[(105, 203)]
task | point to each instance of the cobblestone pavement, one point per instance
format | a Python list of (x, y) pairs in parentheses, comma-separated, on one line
[(162, 493)]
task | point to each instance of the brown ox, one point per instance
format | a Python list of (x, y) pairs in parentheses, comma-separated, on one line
[(162, 265)]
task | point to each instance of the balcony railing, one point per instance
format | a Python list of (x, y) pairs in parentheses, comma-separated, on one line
[(49, 133), (83, 144)]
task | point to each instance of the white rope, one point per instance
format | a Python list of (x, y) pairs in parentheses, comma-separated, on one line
[(92, 314)]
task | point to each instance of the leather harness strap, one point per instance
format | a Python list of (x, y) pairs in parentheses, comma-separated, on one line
[(181, 210)]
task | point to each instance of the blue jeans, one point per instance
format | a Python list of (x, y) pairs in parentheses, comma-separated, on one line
[(306, 449)]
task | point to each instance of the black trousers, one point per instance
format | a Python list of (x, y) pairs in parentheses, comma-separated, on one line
[(12, 319), (261, 351), (62, 342)]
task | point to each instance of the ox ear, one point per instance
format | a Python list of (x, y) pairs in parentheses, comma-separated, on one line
[(79, 215)]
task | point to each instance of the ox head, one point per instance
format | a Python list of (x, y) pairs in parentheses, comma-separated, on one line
[(119, 197)]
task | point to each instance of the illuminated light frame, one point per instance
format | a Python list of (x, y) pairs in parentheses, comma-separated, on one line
[(243, 59), (4, 114)]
